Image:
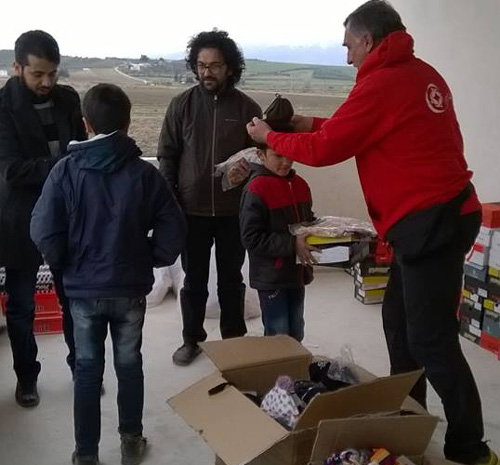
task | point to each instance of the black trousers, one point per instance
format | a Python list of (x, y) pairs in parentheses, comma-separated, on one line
[(229, 256), (20, 285), (421, 329)]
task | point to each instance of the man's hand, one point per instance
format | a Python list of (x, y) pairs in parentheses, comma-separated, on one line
[(303, 251), (302, 123), (238, 172), (258, 130)]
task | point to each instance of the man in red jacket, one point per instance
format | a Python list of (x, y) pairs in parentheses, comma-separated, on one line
[(400, 125)]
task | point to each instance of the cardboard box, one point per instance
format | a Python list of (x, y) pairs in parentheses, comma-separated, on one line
[(341, 255), (495, 239), (491, 323), (469, 331), (373, 296), (476, 271), (400, 435), (494, 260), (485, 235), (491, 215), (471, 315), (479, 255), (240, 433), (367, 283), (368, 267), (483, 290)]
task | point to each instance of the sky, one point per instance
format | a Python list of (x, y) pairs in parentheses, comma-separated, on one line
[(129, 28)]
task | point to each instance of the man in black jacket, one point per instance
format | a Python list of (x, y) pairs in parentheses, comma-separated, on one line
[(38, 118), (204, 126)]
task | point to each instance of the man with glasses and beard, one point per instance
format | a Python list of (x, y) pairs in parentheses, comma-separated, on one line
[(38, 118), (204, 126)]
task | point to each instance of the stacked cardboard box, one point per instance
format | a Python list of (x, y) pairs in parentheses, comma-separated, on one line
[(372, 274), (480, 308)]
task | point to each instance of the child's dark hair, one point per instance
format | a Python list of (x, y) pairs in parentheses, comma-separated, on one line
[(222, 42), (106, 108), (37, 43)]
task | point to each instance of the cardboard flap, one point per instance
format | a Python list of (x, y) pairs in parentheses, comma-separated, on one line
[(401, 435), (383, 394), (231, 424), (241, 352)]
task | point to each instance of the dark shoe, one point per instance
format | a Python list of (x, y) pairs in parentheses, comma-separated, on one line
[(491, 459), (185, 354), (27, 394), (75, 459), (133, 448)]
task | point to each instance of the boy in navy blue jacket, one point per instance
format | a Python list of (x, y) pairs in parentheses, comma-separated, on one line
[(106, 218), (274, 198)]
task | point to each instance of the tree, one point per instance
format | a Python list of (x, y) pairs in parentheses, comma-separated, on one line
[(144, 59)]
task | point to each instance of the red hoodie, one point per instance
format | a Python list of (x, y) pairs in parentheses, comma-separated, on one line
[(399, 123)]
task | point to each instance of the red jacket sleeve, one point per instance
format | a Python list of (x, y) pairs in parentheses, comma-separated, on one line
[(360, 122)]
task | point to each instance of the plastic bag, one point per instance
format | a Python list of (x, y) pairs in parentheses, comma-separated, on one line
[(161, 286), (334, 226), (335, 373), (340, 367), (221, 169)]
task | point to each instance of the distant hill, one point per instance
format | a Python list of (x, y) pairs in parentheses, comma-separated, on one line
[(279, 66), (7, 58), (333, 55), (260, 67)]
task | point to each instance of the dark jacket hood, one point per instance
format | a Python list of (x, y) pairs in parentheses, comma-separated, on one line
[(106, 153)]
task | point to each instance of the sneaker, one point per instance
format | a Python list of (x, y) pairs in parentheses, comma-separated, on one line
[(185, 354), (27, 394), (133, 448), (490, 459), (88, 460)]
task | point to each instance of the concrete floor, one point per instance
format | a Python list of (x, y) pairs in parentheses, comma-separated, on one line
[(44, 435)]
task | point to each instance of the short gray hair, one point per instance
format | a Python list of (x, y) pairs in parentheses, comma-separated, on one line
[(375, 17)]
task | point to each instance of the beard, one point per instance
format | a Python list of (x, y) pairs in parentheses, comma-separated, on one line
[(35, 98)]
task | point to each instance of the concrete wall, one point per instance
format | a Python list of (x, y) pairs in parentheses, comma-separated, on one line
[(461, 39)]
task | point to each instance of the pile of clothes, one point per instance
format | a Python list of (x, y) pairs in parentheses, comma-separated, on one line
[(377, 456), (288, 398)]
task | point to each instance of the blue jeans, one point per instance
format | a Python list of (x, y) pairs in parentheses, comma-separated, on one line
[(20, 286), (91, 317), (283, 312)]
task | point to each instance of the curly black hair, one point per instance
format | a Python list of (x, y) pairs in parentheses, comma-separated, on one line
[(221, 41)]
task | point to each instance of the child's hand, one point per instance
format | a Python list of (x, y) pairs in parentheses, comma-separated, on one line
[(238, 172), (303, 251)]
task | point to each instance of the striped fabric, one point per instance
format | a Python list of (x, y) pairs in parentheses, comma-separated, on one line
[(45, 113)]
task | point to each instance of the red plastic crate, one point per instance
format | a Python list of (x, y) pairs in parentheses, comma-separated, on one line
[(490, 343), (48, 315), (45, 302), (48, 324)]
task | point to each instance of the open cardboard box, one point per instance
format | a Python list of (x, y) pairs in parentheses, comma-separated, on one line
[(240, 433), (400, 435)]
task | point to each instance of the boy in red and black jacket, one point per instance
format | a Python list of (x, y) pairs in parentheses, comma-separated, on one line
[(274, 198)]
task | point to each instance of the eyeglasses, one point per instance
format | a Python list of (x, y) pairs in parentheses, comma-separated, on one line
[(214, 68)]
